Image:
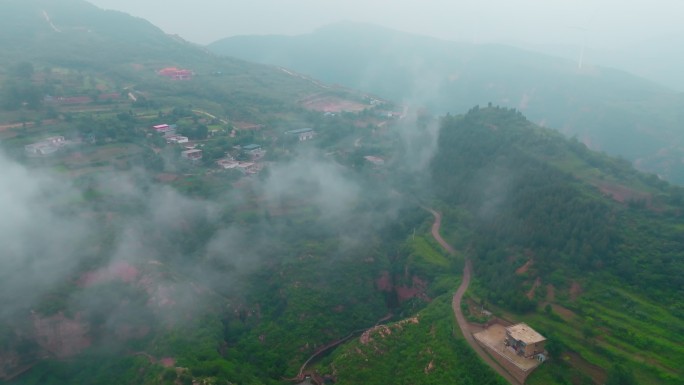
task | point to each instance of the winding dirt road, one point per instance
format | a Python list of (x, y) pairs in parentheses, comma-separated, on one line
[(435, 233), (456, 304)]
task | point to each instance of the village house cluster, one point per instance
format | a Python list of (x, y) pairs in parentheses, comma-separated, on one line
[(190, 152), (46, 146), (255, 152), (253, 166)]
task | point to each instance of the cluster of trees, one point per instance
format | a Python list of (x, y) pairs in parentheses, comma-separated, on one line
[(19, 90)]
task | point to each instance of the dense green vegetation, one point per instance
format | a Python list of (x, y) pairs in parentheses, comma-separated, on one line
[(188, 273), (614, 267), (420, 351)]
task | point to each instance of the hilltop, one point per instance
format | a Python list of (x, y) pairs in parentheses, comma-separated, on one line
[(578, 244), (607, 109)]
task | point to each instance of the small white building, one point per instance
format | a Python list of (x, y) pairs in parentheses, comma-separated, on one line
[(227, 163), (303, 134), (177, 139), (195, 154), (46, 146)]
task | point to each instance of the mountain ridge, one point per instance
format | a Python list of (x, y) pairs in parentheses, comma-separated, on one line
[(607, 109), (163, 270)]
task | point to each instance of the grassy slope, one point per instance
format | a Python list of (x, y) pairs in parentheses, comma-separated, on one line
[(426, 352), (429, 351)]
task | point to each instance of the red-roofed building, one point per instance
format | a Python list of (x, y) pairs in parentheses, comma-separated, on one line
[(175, 73)]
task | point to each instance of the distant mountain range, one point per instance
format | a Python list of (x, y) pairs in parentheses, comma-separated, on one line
[(121, 268), (653, 58), (607, 109)]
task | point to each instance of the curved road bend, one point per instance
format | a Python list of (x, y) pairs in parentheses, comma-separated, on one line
[(456, 304)]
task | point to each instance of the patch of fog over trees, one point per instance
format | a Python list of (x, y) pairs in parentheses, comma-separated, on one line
[(59, 234)]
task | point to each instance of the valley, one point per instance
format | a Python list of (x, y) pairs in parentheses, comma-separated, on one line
[(173, 216)]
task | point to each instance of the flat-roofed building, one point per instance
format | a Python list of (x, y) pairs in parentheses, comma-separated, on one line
[(303, 134), (195, 154), (525, 340)]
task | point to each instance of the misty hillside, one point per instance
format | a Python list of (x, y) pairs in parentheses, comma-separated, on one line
[(225, 222), (578, 244), (647, 62), (67, 42), (607, 109), (70, 30)]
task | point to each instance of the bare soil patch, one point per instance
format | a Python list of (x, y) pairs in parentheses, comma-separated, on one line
[(168, 362), (524, 268), (332, 104), (533, 290), (563, 312), (121, 271), (575, 290), (623, 194), (384, 283), (550, 293), (166, 177), (247, 126)]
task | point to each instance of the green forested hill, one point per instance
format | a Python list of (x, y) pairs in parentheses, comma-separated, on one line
[(598, 238), (124, 264), (607, 109), (580, 211), (581, 246)]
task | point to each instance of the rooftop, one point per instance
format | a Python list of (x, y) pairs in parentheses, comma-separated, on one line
[(522, 332), (299, 131)]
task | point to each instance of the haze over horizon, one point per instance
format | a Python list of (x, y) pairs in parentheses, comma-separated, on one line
[(271, 209), (634, 36), (607, 24)]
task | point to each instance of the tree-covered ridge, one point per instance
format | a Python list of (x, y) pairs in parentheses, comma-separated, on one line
[(551, 242), (190, 273), (514, 179)]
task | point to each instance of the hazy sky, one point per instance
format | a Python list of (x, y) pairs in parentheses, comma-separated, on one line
[(603, 23)]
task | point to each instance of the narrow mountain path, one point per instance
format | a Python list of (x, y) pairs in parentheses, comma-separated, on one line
[(49, 21), (435, 232), (456, 304)]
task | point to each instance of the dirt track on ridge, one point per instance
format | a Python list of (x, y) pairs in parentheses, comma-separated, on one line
[(456, 304)]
